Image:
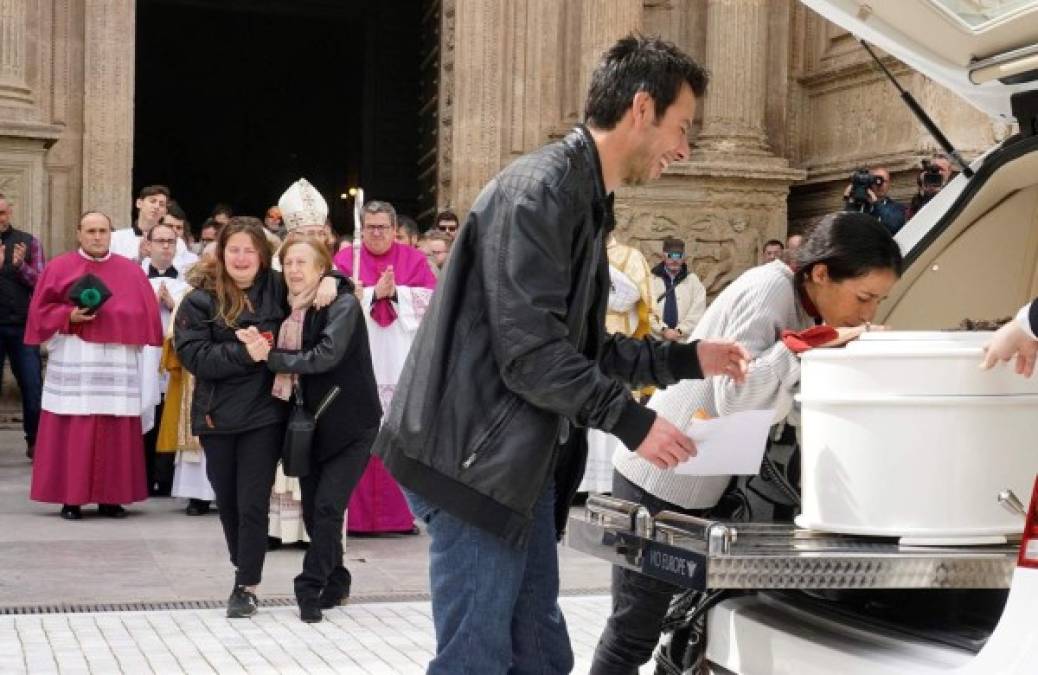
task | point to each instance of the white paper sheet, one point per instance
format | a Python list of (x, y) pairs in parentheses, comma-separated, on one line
[(728, 446)]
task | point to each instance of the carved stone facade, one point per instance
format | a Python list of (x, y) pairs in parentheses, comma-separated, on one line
[(793, 107)]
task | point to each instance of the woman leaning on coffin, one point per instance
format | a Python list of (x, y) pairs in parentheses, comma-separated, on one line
[(317, 351), (240, 425), (826, 298)]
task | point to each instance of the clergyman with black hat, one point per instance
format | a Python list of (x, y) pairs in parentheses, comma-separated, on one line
[(679, 297), (96, 311)]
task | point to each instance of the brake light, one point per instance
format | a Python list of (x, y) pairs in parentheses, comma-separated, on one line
[(1029, 544)]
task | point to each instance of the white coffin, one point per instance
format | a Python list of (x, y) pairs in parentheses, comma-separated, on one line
[(904, 436)]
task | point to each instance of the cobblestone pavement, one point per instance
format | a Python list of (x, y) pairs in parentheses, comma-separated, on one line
[(158, 555), (392, 638)]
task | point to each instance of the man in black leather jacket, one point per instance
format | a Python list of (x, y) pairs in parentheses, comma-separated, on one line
[(512, 363)]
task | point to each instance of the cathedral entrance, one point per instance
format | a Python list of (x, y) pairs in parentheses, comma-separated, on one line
[(236, 99)]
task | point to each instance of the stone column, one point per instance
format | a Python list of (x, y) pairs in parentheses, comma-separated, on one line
[(108, 108), (736, 54), (604, 22), (12, 52)]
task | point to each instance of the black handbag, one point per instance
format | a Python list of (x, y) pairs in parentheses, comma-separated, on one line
[(299, 435)]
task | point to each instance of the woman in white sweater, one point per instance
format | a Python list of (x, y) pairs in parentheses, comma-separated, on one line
[(844, 269)]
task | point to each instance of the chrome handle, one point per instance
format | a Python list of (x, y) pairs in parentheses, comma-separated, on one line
[(1011, 502)]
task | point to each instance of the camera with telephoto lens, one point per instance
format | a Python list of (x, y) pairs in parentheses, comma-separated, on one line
[(861, 182), (931, 178)]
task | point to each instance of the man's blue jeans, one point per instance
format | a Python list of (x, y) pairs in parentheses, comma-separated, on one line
[(28, 371), (495, 608)]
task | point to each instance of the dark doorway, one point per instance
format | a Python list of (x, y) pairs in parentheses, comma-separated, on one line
[(236, 99)]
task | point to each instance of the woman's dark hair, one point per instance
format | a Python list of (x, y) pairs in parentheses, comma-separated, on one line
[(637, 63), (850, 245)]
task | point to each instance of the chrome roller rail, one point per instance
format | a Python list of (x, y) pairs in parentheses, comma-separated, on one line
[(703, 554)]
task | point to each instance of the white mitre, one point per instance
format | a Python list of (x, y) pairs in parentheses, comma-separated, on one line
[(302, 205)]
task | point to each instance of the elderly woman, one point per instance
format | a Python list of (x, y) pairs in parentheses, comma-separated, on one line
[(843, 271), (239, 424), (318, 350)]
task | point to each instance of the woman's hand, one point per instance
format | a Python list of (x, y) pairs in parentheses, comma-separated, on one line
[(723, 357), (327, 290), (1008, 341), (254, 342)]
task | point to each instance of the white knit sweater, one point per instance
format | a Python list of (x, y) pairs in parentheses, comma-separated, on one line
[(754, 310)]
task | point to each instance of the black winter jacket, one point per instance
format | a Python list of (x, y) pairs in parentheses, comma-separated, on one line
[(335, 352), (14, 294), (232, 392), (513, 353)]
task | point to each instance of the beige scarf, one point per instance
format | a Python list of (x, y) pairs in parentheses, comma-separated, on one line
[(290, 338)]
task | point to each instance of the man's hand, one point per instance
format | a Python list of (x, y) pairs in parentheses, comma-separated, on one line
[(1008, 341), (672, 334), (358, 292), (723, 357), (386, 286), (18, 256), (3, 254), (665, 446), (327, 290), (143, 249), (165, 297), (79, 315)]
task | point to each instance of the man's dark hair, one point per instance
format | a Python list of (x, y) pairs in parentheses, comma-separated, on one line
[(152, 190), (223, 208), (445, 215), (851, 245), (637, 63), (408, 225), (173, 209), (210, 222), (773, 242)]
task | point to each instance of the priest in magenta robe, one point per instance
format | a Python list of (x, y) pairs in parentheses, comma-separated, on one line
[(89, 448), (397, 285)]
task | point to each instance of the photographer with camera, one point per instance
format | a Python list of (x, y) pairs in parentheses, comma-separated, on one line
[(867, 193), (935, 175)]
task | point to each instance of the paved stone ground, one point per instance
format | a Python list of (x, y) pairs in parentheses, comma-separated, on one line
[(394, 638), (158, 554)]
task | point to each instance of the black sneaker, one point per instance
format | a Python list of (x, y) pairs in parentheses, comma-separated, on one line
[(69, 512), (309, 612), (338, 588), (241, 604), (197, 507)]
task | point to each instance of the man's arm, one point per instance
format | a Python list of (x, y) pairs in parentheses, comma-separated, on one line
[(526, 246), (32, 267)]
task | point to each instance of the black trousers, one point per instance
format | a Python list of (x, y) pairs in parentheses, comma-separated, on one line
[(241, 470), (158, 466), (326, 492), (639, 602)]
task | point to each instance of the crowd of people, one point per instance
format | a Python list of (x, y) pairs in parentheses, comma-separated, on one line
[(268, 314), (868, 192), (456, 393)]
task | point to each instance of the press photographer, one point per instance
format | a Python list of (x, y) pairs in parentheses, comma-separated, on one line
[(867, 193), (935, 175)]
